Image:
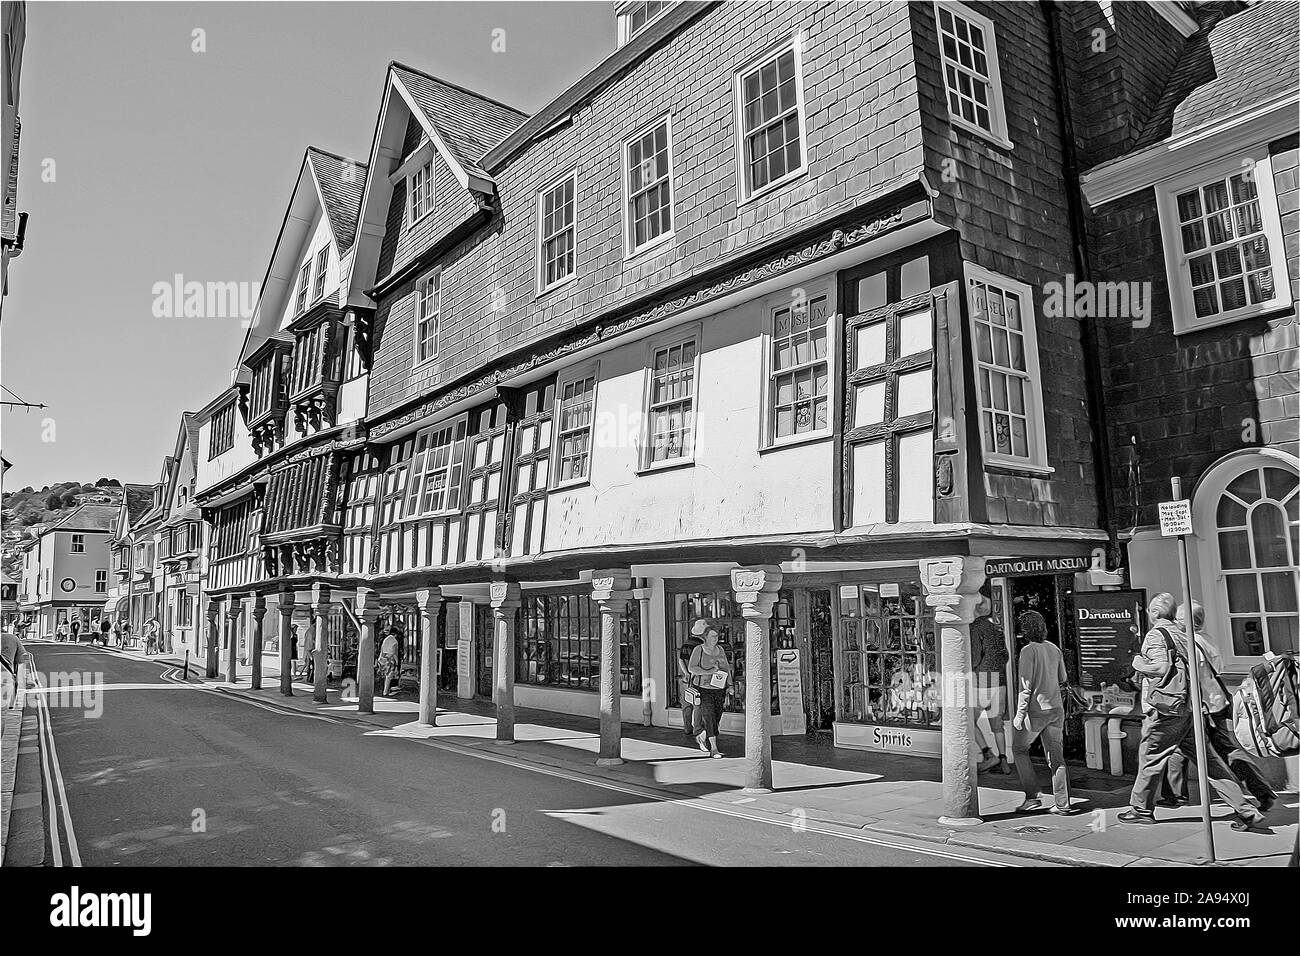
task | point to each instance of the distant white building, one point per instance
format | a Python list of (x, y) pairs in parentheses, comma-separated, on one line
[(65, 571)]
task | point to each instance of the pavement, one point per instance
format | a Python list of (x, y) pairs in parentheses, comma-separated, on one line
[(818, 783), (151, 769)]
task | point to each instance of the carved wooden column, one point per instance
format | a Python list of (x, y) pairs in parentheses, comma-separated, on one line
[(286, 642), (952, 589), (505, 602), (320, 615), (212, 663), (611, 590), (755, 590), (259, 615), (234, 607), (642, 596), (367, 614), (429, 601)]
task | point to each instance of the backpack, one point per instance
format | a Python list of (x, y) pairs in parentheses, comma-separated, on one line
[(1265, 715), (1169, 694)]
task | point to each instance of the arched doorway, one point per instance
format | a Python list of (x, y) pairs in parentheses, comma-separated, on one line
[(1247, 522)]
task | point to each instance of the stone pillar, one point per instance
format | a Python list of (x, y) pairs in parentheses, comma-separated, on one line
[(211, 664), (952, 589), (320, 613), (429, 601), (755, 590), (234, 607), (367, 614), (505, 601), (286, 643), (259, 615), (611, 590), (642, 596)]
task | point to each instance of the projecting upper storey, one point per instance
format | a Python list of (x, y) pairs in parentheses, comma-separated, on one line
[(628, 183), (302, 366)]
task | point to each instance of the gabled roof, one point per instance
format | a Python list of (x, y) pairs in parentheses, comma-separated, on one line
[(137, 499), (340, 182), (1242, 61), (88, 517), (468, 123)]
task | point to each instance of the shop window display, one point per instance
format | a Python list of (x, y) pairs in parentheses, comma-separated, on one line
[(558, 643), (890, 668)]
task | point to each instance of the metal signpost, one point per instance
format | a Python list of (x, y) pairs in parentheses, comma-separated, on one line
[(1176, 521)]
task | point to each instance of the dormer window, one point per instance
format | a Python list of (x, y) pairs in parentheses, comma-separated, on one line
[(304, 279), (419, 187), (635, 17), (322, 262)]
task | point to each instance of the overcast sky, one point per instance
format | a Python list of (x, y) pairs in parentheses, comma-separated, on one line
[(168, 161)]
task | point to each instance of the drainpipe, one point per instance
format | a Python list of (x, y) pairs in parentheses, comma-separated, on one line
[(1079, 243)]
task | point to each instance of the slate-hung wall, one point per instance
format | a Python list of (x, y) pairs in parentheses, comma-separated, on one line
[(856, 94), (1189, 399), (1010, 207)]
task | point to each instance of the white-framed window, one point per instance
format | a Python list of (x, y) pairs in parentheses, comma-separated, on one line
[(673, 380), (575, 416), (437, 470), (1257, 537), (636, 16), (322, 263), (1007, 380), (419, 190), (557, 232), (1223, 242), (648, 160), (798, 365), (101, 580), (428, 309), (78, 544), (971, 78), (770, 120), (304, 283)]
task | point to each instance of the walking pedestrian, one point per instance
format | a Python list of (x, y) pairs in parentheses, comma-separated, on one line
[(710, 673), (61, 632), (989, 667), (1216, 703), (1040, 714), (104, 629), (150, 637), (1168, 726), (76, 629), (388, 659), (117, 633), (126, 633), (690, 696)]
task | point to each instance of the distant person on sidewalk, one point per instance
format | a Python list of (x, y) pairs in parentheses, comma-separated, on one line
[(76, 629), (690, 696), (150, 637), (1040, 713), (989, 667), (710, 674), (126, 634), (104, 629), (1216, 703), (1168, 727), (388, 659), (61, 632)]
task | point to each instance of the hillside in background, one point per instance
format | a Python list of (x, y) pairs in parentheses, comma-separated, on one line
[(26, 512)]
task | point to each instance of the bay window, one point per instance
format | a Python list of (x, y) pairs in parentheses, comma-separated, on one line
[(437, 470)]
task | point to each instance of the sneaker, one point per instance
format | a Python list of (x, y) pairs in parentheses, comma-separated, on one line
[(716, 755), (1138, 817), (1065, 811), (1002, 767), (1030, 806), (1242, 824), (1173, 803)]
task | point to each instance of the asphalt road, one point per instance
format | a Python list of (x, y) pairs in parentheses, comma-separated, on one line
[(154, 772)]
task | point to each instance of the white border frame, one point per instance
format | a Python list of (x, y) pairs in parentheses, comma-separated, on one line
[(588, 369), (1038, 463), (690, 332), (823, 285), (416, 361), (745, 195), (630, 251), (999, 134), (1182, 306), (539, 265)]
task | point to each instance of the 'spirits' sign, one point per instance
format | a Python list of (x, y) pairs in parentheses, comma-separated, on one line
[(1008, 567)]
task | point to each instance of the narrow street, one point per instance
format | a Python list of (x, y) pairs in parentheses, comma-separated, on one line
[(274, 789)]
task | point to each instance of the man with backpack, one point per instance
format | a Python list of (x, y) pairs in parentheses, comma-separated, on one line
[(1217, 704), (1168, 727)]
